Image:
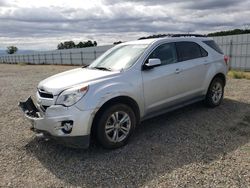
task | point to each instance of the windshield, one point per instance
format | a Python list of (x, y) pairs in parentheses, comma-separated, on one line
[(121, 57)]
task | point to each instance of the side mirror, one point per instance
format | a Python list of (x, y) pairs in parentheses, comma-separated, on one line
[(152, 63)]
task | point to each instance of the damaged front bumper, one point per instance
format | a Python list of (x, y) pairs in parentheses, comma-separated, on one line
[(68, 125)]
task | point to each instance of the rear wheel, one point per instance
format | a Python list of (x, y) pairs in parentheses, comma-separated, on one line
[(115, 126), (215, 93)]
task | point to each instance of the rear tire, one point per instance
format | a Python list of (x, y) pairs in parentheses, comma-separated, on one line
[(115, 126), (215, 93)]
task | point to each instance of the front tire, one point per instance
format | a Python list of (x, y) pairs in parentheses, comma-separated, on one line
[(215, 93), (115, 126)]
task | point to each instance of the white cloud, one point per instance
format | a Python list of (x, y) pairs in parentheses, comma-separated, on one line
[(43, 24)]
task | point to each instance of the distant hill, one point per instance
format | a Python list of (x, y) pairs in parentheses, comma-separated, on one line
[(3, 52)]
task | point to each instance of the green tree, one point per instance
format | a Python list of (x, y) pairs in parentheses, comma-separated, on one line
[(71, 44), (80, 45), (60, 46), (86, 44), (11, 49), (66, 45)]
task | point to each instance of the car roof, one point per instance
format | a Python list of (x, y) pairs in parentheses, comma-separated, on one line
[(167, 39)]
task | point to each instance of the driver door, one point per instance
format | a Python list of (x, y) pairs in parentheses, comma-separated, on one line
[(162, 84)]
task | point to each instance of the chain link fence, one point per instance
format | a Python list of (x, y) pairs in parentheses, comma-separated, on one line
[(80, 56), (237, 47)]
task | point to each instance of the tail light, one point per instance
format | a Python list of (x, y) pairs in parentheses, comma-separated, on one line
[(226, 59)]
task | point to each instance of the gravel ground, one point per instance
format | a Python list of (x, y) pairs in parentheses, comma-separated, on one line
[(191, 147)]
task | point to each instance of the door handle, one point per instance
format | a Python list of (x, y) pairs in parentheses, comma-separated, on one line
[(177, 71)]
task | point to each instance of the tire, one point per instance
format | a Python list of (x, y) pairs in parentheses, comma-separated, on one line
[(215, 93), (111, 131)]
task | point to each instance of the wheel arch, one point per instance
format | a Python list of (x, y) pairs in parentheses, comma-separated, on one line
[(218, 75), (116, 100), (221, 76)]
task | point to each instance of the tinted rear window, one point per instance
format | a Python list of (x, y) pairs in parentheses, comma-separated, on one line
[(189, 50), (213, 45)]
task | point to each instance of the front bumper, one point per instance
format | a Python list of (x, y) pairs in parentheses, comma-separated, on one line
[(51, 123)]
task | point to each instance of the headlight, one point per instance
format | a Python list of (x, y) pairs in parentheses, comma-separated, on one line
[(71, 96)]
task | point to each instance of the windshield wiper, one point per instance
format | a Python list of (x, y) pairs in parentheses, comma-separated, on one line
[(84, 66), (103, 68)]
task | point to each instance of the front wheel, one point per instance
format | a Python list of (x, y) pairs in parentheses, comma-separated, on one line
[(115, 126), (215, 93)]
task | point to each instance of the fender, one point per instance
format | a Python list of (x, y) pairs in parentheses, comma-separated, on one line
[(100, 93), (214, 69)]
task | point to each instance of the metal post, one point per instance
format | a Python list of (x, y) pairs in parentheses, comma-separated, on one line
[(230, 53), (241, 54), (39, 59), (246, 56), (81, 57), (70, 56), (53, 60), (95, 54), (28, 59), (61, 58), (45, 59), (33, 58), (237, 49)]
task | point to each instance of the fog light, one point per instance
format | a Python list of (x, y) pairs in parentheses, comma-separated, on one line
[(67, 126)]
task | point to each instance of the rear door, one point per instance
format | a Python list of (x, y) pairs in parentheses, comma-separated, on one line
[(192, 62)]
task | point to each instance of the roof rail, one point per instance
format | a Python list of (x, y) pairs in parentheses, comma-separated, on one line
[(188, 35)]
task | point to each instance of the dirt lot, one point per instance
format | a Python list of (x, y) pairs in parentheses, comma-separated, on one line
[(191, 147)]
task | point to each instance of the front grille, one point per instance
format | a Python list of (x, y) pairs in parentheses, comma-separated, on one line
[(44, 94)]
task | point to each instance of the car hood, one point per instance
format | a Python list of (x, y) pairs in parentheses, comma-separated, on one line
[(59, 82)]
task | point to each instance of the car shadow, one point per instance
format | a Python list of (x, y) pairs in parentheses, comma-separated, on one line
[(194, 134)]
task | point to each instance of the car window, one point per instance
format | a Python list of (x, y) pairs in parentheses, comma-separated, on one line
[(166, 53), (203, 52), (189, 50), (213, 45), (119, 57)]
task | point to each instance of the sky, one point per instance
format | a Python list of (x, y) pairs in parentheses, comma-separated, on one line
[(41, 25)]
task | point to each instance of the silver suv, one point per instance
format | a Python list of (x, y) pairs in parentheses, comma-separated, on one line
[(129, 83)]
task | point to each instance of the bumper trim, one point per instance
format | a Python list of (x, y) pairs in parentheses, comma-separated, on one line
[(29, 108), (69, 141)]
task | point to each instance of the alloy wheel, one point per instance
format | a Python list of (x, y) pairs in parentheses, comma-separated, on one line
[(118, 126)]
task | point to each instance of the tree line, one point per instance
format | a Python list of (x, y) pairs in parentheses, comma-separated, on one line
[(71, 44), (229, 32), (89, 43), (215, 34)]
